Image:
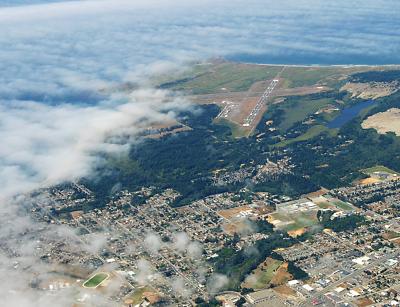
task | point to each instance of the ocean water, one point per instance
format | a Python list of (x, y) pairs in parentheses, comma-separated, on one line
[(316, 59)]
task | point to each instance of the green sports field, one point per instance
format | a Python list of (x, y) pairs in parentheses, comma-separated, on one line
[(95, 280)]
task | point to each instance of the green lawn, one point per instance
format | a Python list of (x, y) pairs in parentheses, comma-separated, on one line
[(325, 205), (334, 202), (237, 130), (378, 168), (307, 76), (299, 109), (262, 276), (95, 280), (137, 295), (342, 205), (208, 79), (300, 220), (309, 134)]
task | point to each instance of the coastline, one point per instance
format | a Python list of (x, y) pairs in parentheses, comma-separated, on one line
[(321, 65)]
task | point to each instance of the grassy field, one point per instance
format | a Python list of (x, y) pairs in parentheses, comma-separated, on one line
[(299, 109), (282, 275), (342, 205), (237, 130), (337, 203), (262, 276), (95, 280), (390, 235), (324, 205), (208, 79), (297, 221), (309, 134), (379, 168), (301, 221), (334, 203), (306, 76), (137, 295)]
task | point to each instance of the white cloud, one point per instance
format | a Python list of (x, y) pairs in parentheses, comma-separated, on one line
[(195, 250), (181, 241), (217, 282), (180, 288), (152, 242), (44, 145), (61, 63), (145, 272)]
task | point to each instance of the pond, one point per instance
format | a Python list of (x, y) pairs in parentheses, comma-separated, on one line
[(349, 113)]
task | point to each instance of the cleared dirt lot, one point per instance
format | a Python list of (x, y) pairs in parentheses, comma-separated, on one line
[(384, 122), (370, 180), (285, 290), (234, 212), (371, 90), (297, 232)]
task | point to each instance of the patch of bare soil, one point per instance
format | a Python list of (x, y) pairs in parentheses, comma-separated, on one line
[(371, 90), (384, 122)]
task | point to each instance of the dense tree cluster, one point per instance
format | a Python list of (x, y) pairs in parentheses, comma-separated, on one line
[(377, 76), (346, 223), (238, 264)]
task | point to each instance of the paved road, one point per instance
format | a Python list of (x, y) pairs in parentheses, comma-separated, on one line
[(351, 275)]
